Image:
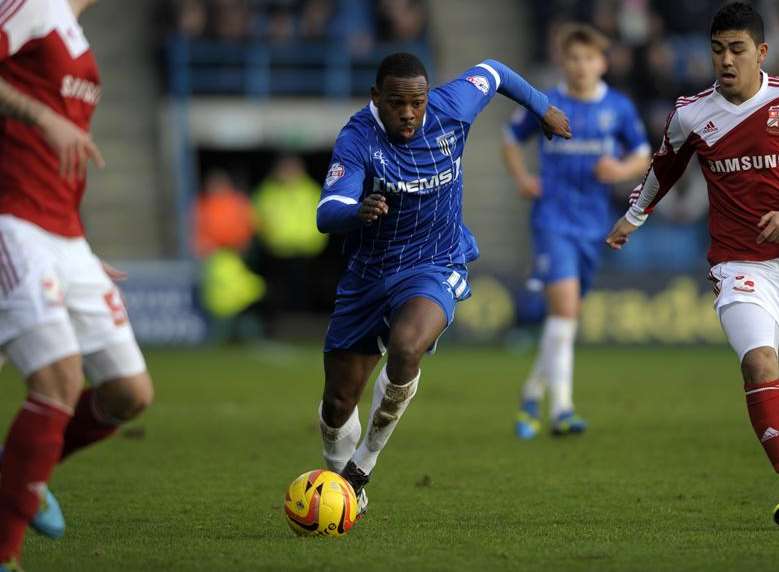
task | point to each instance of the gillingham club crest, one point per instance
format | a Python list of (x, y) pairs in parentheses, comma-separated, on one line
[(447, 143), (772, 124)]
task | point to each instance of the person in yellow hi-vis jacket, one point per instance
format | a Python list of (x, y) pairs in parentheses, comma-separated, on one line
[(285, 216)]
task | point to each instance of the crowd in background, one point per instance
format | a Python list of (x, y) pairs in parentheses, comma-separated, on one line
[(291, 48), (360, 22)]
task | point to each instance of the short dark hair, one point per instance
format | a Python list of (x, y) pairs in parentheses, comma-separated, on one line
[(400, 64), (739, 16)]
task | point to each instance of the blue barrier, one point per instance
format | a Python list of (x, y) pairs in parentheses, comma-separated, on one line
[(256, 69)]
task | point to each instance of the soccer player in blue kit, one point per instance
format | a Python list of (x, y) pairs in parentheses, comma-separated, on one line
[(571, 211), (394, 189)]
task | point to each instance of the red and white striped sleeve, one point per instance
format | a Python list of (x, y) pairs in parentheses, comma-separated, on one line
[(20, 21), (668, 165)]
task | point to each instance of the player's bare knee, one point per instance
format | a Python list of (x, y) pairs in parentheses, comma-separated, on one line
[(142, 394), (403, 360), (126, 398), (409, 351), (760, 365)]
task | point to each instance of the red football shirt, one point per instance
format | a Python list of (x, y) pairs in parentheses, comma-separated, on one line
[(738, 151), (43, 54)]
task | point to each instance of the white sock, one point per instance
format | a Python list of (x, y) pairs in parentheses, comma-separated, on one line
[(338, 444), (557, 357), (389, 403), (536, 383)]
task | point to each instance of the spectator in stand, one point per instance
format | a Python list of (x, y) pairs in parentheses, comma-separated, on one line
[(315, 19), (222, 216), (191, 18), (401, 20), (231, 20), (285, 210), (278, 23)]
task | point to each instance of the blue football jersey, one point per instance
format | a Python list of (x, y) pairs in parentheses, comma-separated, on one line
[(573, 201), (421, 180)]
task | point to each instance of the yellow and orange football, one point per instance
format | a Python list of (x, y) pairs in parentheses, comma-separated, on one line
[(320, 503)]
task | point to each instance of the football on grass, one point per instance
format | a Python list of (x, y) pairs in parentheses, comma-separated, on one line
[(320, 503)]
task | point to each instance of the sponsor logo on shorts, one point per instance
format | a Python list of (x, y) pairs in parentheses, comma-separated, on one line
[(336, 172), (480, 82), (52, 292), (744, 283)]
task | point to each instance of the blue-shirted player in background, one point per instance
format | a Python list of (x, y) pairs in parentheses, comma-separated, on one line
[(571, 210), (394, 188)]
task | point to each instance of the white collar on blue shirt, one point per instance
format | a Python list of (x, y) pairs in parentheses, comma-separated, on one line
[(600, 92)]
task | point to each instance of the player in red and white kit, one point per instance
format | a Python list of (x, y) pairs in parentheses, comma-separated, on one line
[(61, 317), (733, 128)]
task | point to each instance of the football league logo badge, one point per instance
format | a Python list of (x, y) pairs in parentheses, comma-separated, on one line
[(480, 82), (772, 124), (336, 172), (446, 143)]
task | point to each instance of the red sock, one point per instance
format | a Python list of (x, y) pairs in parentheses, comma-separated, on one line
[(763, 406), (87, 425), (32, 448)]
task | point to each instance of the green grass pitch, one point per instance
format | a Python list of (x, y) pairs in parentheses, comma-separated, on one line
[(670, 477)]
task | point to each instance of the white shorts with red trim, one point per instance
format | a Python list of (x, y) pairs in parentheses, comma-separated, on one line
[(748, 303), (56, 300)]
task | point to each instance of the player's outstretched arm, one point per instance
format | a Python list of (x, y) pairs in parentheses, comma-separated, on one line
[(513, 85), (73, 146), (620, 233), (667, 165)]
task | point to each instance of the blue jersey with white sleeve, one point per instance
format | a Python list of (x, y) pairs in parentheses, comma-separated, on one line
[(422, 179), (573, 201)]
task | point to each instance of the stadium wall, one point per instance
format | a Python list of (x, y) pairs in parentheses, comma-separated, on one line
[(463, 37), (128, 194)]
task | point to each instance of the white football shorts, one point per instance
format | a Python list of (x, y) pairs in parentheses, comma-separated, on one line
[(56, 300), (748, 303)]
